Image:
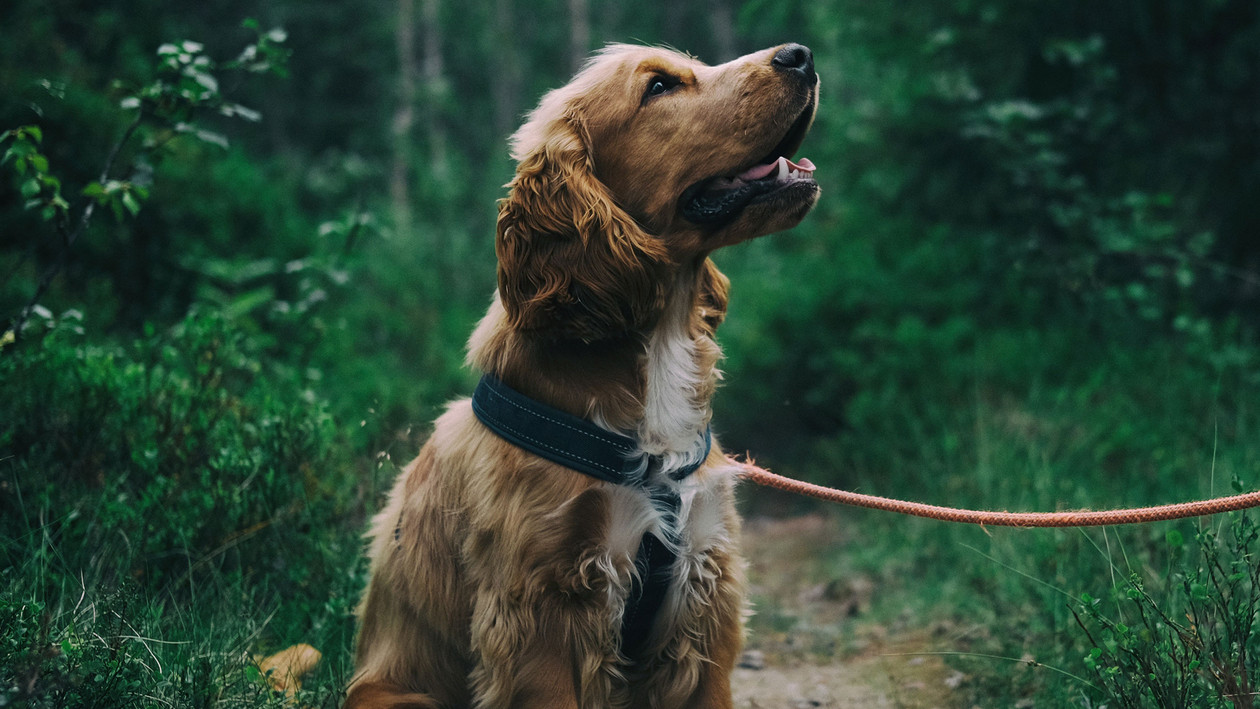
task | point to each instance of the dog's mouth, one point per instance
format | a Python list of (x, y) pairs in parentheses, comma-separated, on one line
[(716, 200)]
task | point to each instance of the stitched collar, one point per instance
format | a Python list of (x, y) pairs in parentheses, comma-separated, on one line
[(566, 439)]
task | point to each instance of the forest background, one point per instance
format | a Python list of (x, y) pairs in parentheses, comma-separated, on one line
[(237, 286)]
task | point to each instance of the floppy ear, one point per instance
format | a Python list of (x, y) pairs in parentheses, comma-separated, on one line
[(712, 294), (572, 264)]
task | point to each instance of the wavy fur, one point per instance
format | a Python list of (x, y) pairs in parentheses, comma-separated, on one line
[(498, 579)]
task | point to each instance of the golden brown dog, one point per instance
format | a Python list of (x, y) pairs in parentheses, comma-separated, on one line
[(501, 578)]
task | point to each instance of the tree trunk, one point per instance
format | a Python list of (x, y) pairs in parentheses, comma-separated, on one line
[(505, 81), (434, 87), (404, 117), (722, 24), (579, 32)]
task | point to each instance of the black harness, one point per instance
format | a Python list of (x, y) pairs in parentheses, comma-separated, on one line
[(580, 445)]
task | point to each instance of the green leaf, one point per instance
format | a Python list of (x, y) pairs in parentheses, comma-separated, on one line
[(94, 189), (211, 137), (208, 82), (129, 201), (236, 109), (31, 187), (39, 162), (248, 301), (35, 132)]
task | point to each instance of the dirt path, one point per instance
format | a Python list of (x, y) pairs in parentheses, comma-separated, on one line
[(808, 645), (868, 683)]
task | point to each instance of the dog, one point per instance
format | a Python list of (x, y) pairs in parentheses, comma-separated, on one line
[(568, 537)]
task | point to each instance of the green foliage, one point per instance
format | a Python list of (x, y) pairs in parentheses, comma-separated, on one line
[(988, 175), (67, 667), (185, 452), (153, 491), (1031, 283), (186, 86), (40, 189), (107, 652), (1196, 644), (169, 107), (120, 197)]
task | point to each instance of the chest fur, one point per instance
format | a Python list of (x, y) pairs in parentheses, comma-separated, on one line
[(698, 524)]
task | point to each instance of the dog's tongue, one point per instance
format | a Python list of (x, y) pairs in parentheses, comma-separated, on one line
[(782, 165)]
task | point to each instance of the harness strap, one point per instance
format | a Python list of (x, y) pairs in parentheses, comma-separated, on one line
[(580, 445)]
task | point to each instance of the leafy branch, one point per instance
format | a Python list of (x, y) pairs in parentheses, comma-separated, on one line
[(185, 89)]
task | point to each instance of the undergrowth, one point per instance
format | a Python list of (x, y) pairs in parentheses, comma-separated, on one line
[(1109, 428), (168, 511), (1189, 639)]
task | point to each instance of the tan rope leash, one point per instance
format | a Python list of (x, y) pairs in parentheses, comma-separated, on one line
[(1081, 518)]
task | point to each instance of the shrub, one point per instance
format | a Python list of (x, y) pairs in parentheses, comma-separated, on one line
[(167, 509), (1196, 643)]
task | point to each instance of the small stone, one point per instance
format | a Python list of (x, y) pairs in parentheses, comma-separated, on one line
[(753, 660)]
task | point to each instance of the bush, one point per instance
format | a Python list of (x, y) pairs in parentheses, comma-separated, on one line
[(167, 508), (1192, 643)]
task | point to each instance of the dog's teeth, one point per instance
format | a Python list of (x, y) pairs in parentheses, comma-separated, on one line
[(783, 168)]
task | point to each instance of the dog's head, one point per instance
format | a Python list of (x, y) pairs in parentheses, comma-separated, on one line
[(648, 160)]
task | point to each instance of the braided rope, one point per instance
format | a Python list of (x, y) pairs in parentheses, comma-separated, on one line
[(1079, 518)]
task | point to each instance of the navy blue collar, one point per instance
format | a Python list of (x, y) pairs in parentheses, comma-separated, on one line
[(566, 439)]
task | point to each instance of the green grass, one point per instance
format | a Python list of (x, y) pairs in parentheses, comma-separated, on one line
[(168, 511)]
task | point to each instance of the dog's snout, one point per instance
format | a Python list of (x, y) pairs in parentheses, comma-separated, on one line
[(795, 57)]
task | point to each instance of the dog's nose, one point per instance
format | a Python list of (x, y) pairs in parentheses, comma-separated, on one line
[(795, 57)]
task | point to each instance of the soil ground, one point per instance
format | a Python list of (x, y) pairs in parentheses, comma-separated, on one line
[(809, 645)]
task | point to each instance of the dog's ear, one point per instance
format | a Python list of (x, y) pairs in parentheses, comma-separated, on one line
[(713, 293), (572, 264)]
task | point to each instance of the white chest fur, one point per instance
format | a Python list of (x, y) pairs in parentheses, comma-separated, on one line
[(676, 408), (702, 525)]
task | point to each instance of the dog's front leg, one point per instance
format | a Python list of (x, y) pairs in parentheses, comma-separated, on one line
[(706, 643), (542, 629), (550, 653)]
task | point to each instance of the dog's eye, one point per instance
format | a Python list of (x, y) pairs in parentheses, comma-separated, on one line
[(658, 85)]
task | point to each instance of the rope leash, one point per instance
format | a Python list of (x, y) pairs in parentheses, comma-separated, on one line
[(1081, 518)]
